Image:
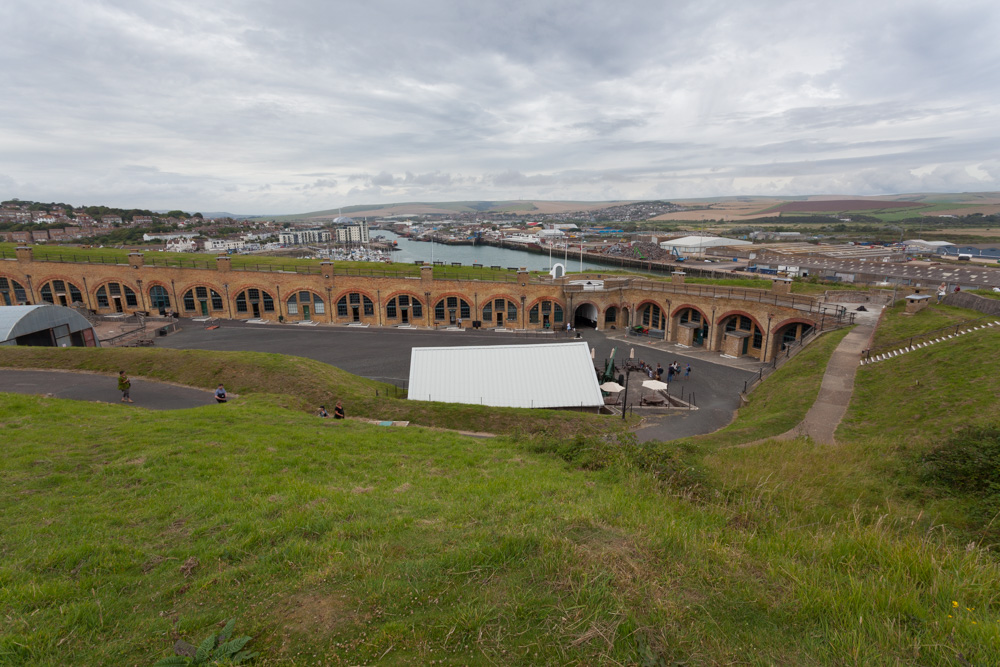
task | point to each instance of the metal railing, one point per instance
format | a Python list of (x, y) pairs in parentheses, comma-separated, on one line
[(779, 360)]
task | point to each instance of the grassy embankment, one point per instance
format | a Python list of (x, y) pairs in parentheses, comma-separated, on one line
[(342, 543)]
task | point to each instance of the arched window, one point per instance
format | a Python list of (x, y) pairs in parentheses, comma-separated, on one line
[(60, 293), (254, 301), (199, 299), (548, 312), (12, 293), (110, 295), (310, 304), (610, 315), (746, 325), (353, 305), (451, 308), (652, 316), (159, 299), (403, 306), (500, 308)]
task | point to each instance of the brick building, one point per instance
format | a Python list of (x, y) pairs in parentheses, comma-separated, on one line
[(734, 321)]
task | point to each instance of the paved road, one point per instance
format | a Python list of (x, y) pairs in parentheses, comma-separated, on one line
[(384, 354), (104, 388)]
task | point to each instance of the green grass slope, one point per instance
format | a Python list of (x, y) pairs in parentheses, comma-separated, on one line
[(341, 543)]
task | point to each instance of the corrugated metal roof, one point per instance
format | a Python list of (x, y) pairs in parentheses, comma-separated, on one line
[(555, 375), (20, 320)]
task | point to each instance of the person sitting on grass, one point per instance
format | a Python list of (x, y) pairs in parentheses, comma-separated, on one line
[(322, 412)]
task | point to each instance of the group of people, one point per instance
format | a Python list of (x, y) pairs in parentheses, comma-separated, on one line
[(338, 411), (672, 371)]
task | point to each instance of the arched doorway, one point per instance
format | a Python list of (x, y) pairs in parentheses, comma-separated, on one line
[(585, 316), (611, 317), (254, 301), (741, 336), (451, 309), (652, 317), (60, 293), (499, 310), (405, 307), (692, 327)]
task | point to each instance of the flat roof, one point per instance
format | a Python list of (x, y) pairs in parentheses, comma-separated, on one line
[(552, 375)]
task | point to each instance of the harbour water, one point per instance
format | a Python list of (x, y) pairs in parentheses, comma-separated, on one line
[(411, 251)]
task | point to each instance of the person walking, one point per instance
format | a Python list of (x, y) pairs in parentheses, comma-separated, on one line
[(942, 290), (687, 371), (338, 411), (220, 394), (124, 385)]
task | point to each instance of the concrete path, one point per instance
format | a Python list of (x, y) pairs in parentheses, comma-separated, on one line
[(87, 386), (821, 422)]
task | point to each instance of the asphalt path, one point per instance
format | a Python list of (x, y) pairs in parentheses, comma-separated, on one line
[(83, 386), (384, 354)]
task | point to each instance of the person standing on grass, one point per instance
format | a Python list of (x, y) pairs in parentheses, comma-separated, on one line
[(220, 394), (338, 411), (124, 385)]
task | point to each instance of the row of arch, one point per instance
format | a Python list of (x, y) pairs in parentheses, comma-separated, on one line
[(735, 333), (302, 304)]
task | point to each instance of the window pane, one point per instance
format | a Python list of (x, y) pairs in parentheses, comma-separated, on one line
[(293, 308), (189, 300), (217, 301)]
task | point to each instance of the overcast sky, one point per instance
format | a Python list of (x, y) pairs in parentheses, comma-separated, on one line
[(286, 106)]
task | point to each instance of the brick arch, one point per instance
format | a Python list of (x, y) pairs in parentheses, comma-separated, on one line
[(45, 280), (743, 313), (531, 304), (515, 299), (404, 292), (182, 289), (645, 303), (793, 320), (339, 295), (677, 310)]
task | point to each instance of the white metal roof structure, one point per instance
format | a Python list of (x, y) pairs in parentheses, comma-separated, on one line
[(696, 244), (43, 323), (556, 375)]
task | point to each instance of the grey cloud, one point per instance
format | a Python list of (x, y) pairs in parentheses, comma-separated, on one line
[(281, 106)]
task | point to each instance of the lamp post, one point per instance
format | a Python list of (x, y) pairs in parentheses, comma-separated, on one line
[(628, 374)]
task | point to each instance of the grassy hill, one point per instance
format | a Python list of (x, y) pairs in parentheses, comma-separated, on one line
[(122, 530)]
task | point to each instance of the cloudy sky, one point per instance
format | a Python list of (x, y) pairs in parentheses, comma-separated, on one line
[(285, 106)]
